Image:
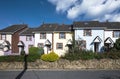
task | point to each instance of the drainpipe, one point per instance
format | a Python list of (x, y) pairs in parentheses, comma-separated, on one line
[(53, 41)]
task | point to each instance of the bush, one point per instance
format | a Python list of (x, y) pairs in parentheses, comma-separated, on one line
[(84, 55), (117, 44), (51, 57), (87, 55), (33, 50), (71, 56), (111, 55), (34, 54)]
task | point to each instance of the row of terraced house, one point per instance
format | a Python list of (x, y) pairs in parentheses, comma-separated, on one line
[(54, 37)]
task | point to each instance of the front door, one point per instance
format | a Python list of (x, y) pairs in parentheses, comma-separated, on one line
[(107, 46), (96, 47)]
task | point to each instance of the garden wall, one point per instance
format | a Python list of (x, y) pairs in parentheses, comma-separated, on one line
[(64, 64)]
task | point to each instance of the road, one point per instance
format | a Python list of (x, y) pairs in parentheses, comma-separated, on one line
[(60, 74)]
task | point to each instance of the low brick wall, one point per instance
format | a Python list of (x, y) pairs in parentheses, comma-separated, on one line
[(64, 64)]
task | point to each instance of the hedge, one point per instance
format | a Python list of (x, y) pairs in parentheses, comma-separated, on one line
[(34, 54), (87, 55)]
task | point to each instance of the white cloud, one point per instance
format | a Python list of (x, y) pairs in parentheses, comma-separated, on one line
[(62, 5), (91, 9)]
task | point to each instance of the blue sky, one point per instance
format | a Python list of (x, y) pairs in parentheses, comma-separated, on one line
[(35, 12)]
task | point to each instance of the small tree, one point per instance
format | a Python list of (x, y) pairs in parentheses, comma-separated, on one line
[(117, 44), (77, 46)]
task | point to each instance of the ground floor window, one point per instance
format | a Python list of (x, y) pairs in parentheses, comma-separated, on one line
[(40, 45), (107, 46), (59, 46), (1, 46), (81, 44), (30, 46)]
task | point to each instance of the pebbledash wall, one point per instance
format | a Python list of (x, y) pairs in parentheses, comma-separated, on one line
[(91, 39), (41, 42), (68, 36), (3, 51), (109, 33), (27, 38)]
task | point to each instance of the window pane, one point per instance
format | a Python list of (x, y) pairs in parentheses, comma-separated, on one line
[(3, 37), (40, 45), (59, 46), (116, 34), (42, 35), (62, 35), (87, 32), (28, 38)]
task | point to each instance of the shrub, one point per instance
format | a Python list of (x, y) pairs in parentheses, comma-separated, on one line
[(34, 54), (111, 55), (117, 44), (84, 55), (87, 55), (33, 50), (71, 56), (51, 57)]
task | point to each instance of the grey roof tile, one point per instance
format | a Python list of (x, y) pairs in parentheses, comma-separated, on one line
[(13, 28), (46, 28), (63, 28), (28, 31), (53, 28), (93, 24)]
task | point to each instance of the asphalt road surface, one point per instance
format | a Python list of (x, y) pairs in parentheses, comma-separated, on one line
[(60, 74)]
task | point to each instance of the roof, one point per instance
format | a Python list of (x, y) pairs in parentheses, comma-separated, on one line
[(111, 25), (46, 28), (98, 25), (86, 24), (53, 28), (63, 28), (12, 29), (28, 31)]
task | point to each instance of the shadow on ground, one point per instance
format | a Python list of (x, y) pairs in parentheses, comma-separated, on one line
[(24, 70)]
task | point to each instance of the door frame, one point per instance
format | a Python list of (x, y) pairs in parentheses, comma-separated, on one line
[(96, 47)]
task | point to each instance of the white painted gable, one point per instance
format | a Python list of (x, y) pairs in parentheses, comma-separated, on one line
[(47, 42), (69, 42), (109, 40), (6, 44), (97, 39), (20, 43)]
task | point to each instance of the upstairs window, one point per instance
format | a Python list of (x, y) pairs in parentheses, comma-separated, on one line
[(42, 35), (59, 46), (61, 35), (3, 37), (116, 33), (87, 32), (29, 38)]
